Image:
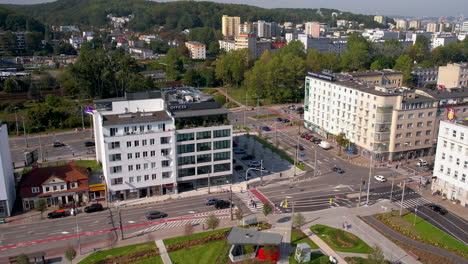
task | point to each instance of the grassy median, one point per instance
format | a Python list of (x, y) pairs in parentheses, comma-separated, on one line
[(279, 152), (123, 251), (340, 240)]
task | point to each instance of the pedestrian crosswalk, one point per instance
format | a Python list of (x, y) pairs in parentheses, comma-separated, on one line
[(174, 224), (414, 202), (247, 198)]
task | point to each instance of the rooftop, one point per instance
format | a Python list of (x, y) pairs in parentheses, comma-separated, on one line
[(243, 236), (133, 118), (373, 73), (446, 94)]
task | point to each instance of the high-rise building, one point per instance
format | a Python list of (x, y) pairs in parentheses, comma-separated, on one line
[(312, 29), (230, 25), (414, 24), (156, 143), (464, 26), (263, 29), (453, 75), (401, 24), (246, 41), (451, 161), (197, 49), (7, 178), (380, 19), (432, 27), (248, 27)]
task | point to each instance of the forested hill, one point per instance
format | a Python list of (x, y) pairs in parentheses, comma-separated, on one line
[(12, 20), (176, 15)]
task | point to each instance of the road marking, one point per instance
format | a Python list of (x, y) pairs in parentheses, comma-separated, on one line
[(65, 232), (130, 222)]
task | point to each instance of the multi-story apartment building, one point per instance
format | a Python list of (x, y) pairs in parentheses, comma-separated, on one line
[(425, 76), (451, 162), (386, 77), (248, 27), (414, 24), (380, 19), (432, 27), (453, 75), (401, 24), (197, 49), (230, 25), (153, 143), (442, 40), (464, 26), (7, 178), (312, 29)]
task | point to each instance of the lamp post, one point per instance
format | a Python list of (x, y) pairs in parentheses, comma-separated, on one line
[(25, 134), (77, 233), (230, 206), (16, 120), (368, 182)]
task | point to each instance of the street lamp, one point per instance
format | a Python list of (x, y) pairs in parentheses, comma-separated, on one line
[(230, 206)]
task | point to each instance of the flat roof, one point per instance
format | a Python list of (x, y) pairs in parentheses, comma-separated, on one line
[(244, 236), (446, 94), (202, 112), (133, 118)]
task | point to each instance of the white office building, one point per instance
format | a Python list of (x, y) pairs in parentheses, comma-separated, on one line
[(7, 178), (451, 162), (153, 143)]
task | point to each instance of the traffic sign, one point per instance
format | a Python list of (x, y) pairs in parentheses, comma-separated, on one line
[(303, 155)]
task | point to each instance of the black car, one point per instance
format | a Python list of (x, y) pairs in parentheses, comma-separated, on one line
[(248, 157), (338, 170), (285, 120), (279, 119), (57, 144), (155, 214), (211, 201), (94, 208), (238, 168), (317, 140), (303, 135), (89, 144), (438, 209), (221, 204), (300, 147), (57, 214)]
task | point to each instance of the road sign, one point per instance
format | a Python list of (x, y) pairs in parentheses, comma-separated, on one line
[(350, 151), (303, 155)]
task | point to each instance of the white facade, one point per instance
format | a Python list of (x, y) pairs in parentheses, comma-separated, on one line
[(227, 45), (451, 162), (197, 50), (442, 41), (7, 179)]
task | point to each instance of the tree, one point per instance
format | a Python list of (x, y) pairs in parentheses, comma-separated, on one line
[(40, 205), (342, 141), (404, 63), (358, 54), (239, 214), (298, 220), (212, 221), (267, 208), (377, 256), (22, 259), (11, 85), (174, 65), (70, 254), (53, 100)]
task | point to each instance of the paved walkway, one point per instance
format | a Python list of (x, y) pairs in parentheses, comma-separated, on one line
[(163, 252), (323, 246), (413, 243)]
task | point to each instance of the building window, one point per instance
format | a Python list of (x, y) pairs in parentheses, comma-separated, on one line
[(458, 161), (222, 156), (204, 158), (429, 123), (222, 167), (35, 190), (441, 168), (204, 146), (152, 153), (185, 172), (115, 169), (185, 160), (430, 114), (427, 141), (129, 155), (398, 135), (114, 145), (136, 143), (129, 144), (420, 115), (417, 142), (463, 177), (165, 163), (397, 145), (443, 156), (462, 136), (428, 132), (399, 126), (455, 174), (185, 137), (145, 166), (153, 176), (449, 170), (410, 116), (167, 174), (418, 133), (181, 149), (130, 167), (152, 141), (401, 117), (138, 178), (114, 157), (145, 154), (204, 135), (165, 152), (116, 181), (204, 170), (113, 131), (222, 133), (144, 142), (409, 125), (47, 189), (130, 179), (138, 167), (137, 155), (153, 164), (445, 143), (165, 140), (420, 124), (146, 177), (222, 144), (409, 134), (454, 133)]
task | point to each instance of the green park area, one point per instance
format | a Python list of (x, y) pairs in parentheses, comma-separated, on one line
[(144, 253), (418, 229), (298, 237), (340, 240), (278, 151)]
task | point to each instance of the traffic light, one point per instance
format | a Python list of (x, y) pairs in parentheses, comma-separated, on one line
[(285, 203), (331, 200)]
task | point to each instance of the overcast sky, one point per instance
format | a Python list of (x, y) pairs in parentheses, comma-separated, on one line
[(385, 7)]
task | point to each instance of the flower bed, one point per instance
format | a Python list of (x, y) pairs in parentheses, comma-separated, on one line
[(198, 241)]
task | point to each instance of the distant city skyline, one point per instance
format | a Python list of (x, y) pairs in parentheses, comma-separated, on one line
[(416, 8)]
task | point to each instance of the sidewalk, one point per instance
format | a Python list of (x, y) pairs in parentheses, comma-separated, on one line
[(163, 251), (453, 208), (323, 246)]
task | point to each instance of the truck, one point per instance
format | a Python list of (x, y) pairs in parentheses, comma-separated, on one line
[(325, 145)]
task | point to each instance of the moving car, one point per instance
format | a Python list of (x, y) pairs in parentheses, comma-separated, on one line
[(211, 201), (338, 170), (300, 147), (57, 144), (438, 209), (324, 145), (247, 157), (93, 208), (155, 214), (380, 178), (254, 164), (221, 204), (265, 128), (57, 214), (89, 144), (421, 163), (238, 151)]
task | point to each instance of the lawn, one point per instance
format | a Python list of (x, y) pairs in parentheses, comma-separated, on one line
[(239, 93), (423, 231), (358, 260), (207, 253), (153, 260), (298, 237), (314, 259), (175, 240), (94, 165), (279, 152), (340, 240), (115, 252)]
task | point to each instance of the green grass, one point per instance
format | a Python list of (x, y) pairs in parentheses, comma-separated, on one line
[(314, 259), (206, 253), (231, 105), (340, 240), (242, 128), (238, 94), (115, 252), (297, 237), (94, 165), (175, 240), (264, 116), (279, 152), (359, 260), (153, 260)]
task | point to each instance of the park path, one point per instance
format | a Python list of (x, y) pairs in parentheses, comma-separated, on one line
[(163, 252)]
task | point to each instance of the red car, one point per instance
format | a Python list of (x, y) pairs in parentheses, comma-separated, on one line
[(309, 137)]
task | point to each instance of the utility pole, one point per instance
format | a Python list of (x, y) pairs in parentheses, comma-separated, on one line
[(78, 234), (209, 184), (16, 120), (25, 135), (297, 150), (360, 190), (391, 191), (120, 225), (40, 148), (292, 215), (368, 182), (415, 213), (91, 121), (230, 188), (245, 110), (261, 171), (82, 117), (402, 198), (315, 164)]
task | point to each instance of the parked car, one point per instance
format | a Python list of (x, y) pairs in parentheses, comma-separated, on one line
[(338, 170), (211, 201), (285, 120), (238, 168), (279, 119), (438, 209), (94, 208), (316, 140), (57, 144), (221, 204), (247, 157), (89, 144), (155, 214), (380, 178), (238, 151), (324, 145), (57, 214), (421, 163), (309, 137), (265, 128), (304, 135), (292, 107), (255, 164), (300, 147)]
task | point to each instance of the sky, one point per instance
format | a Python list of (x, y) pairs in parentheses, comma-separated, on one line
[(415, 8)]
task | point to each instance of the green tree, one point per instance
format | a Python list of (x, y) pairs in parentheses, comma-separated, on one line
[(404, 63), (40, 205), (70, 254), (192, 78), (294, 47), (230, 68), (8, 43), (53, 100), (174, 65), (298, 220), (267, 208), (213, 48), (377, 256), (358, 54), (342, 141), (11, 85), (212, 222), (33, 42), (22, 259), (392, 48)]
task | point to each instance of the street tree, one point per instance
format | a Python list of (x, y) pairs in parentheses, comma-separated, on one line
[(70, 254), (342, 141), (298, 220), (404, 63), (40, 205), (212, 222), (22, 259), (267, 208), (377, 256)]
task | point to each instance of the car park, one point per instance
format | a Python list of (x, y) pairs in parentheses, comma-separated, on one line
[(338, 170), (238, 151), (57, 144), (94, 208), (57, 214), (221, 204), (247, 157), (265, 128), (380, 178), (155, 214), (89, 144), (438, 209), (422, 163)]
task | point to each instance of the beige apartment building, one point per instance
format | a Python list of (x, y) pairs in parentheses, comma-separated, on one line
[(415, 24), (197, 49), (386, 77), (380, 19), (230, 25), (401, 24), (453, 75), (431, 27)]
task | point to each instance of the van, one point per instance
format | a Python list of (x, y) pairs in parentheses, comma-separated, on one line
[(325, 145)]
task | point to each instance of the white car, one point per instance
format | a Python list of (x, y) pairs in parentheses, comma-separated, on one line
[(421, 163), (380, 178)]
